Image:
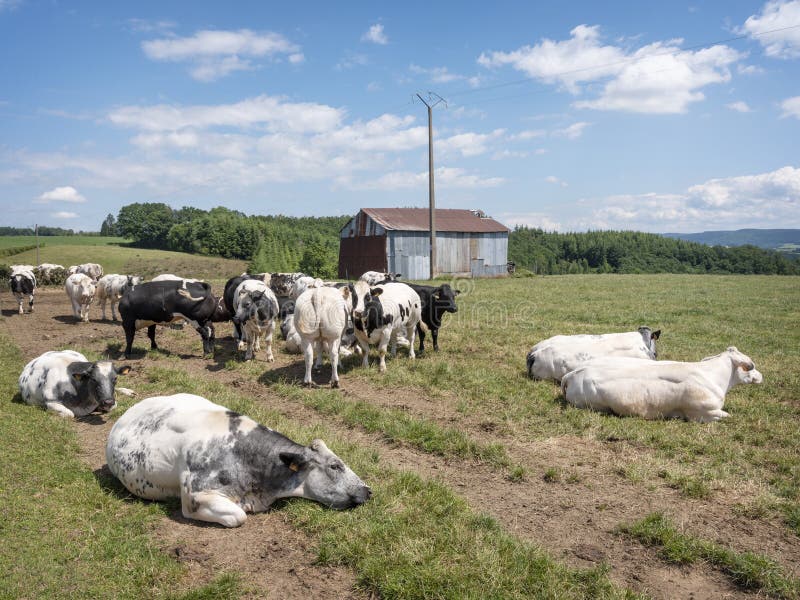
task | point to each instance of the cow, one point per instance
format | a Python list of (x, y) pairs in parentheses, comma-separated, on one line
[(171, 277), (293, 341), (694, 391), (68, 384), (321, 317), (435, 302), (163, 302), (112, 288), (222, 464), (380, 313), (255, 309), (376, 277), (556, 356), (93, 270), (23, 283), (227, 298), (80, 290), (283, 283)]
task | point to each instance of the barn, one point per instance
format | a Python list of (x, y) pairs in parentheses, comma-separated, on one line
[(468, 243)]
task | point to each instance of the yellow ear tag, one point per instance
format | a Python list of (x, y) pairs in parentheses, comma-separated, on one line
[(294, 467)]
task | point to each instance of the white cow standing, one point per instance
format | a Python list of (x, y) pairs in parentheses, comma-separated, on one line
[(80, 290), (23, 283), (221, 464), (381, 313), (694, 391), (255, 309), (93, 270), (321, 316), (558, 355), (111, 288)]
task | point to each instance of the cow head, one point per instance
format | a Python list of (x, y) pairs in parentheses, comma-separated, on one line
[(286, 310), (95, 381), (282, 283), (367, 308), (323, 477), (254, 305), (131, 282), (649, 336), (744, 369), (444, 299)]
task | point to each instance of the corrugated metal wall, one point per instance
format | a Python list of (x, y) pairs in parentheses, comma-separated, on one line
[(407, 252)]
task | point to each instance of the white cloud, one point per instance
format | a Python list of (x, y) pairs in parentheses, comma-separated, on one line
[(443, 75), (352, 60), (374, 86), (64, 215), (555, 181), (537, 220), (764, 200), (376, 35), (267, 111), (216, 53), (148, 26), (66, 193), (468, 144), (572, 132), (739, 106), (749, 70), (9, 5), (445, 178), (791, 107), (528, 134), (656, 78), (780, 15)]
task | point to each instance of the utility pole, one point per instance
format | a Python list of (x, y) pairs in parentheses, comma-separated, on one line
[(431, 198), (36, 231)]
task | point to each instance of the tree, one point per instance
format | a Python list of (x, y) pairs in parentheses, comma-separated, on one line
[(319, 260), (109, 226), (146, 223)]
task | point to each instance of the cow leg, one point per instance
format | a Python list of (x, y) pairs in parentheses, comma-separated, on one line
[(435, 336), (102, 302), (421, 334), (130, 331), (710, 416), (212, 507), (76, 309), (393, 340), (365, 350), (411, 331), (30, 302), (59, 409), (333, 353), (151, 333), (308, 355), (19, 301), (384, 343), (318, 349)]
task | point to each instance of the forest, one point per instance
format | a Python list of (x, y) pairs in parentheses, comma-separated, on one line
[(311, 244)]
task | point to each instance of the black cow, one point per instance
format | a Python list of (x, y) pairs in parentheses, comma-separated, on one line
[(227, 296), (435, 302), (162, 302), (23, 283)]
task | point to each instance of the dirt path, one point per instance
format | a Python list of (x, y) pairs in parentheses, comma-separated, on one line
[(572, 520)]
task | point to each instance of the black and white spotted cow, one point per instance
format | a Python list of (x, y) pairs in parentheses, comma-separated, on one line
[(111, 288), (381, 313), (23, 283), (376, 277), (163, 302), (282, 284), (255, 309), (435, 302), (221, 464), (66, 383)]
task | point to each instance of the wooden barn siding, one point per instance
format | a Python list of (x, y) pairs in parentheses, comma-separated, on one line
[(361, 225)]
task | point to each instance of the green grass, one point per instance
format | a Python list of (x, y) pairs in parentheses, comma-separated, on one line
[(747, 569), (72, 250), (65, 535), (414, 538)]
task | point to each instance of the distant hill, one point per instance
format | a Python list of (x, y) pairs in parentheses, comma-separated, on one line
[(770, 239)]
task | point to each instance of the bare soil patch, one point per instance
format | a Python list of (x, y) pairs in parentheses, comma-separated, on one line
[(574, 519)]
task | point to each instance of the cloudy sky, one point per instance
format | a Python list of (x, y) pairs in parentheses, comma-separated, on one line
[(657, 116)]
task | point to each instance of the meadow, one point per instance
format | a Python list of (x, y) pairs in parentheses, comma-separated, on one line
[(486, 484)]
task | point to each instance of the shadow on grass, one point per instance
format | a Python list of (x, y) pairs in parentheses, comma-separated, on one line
[(67, 319)]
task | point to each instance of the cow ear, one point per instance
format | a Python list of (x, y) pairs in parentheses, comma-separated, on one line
[(79, 369), (345, 293), (293, 461), (655, 335), (376, 291), (123, 370)]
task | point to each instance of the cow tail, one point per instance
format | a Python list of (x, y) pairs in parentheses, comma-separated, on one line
[(183, 291)]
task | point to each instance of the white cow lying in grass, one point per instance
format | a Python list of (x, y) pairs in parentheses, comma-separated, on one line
[(556, 356), (694, 391), (221, 464)]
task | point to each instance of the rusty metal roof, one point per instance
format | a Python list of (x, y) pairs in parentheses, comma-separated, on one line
[(447, 219)]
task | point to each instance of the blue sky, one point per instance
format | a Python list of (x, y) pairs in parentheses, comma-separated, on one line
[(657, 116)]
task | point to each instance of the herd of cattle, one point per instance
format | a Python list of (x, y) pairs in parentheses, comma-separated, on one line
[(222, 464)]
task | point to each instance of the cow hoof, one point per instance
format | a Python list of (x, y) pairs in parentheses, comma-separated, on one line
[(334, 385)]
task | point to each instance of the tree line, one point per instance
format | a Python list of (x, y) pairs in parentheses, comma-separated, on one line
[(636, 252), (269, 243), (43, 231)]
